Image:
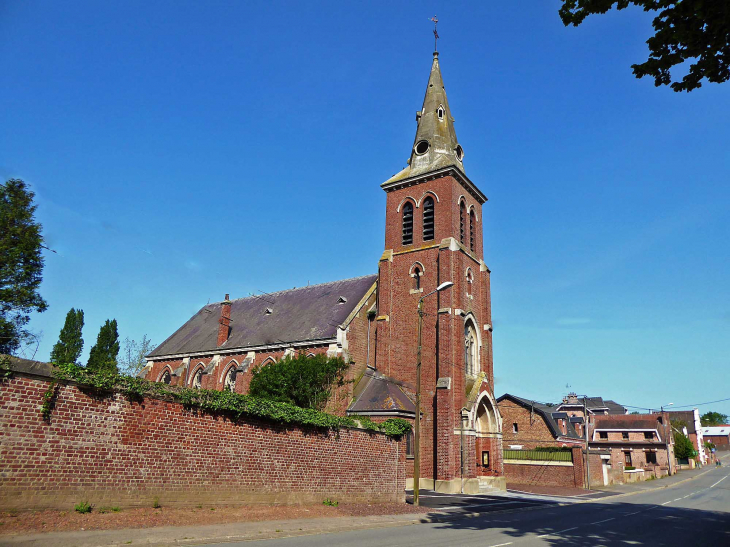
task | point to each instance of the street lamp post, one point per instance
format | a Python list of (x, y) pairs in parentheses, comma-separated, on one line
[(666, 441), (417, 433)]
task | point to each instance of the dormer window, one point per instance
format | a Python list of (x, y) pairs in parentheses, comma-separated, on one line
[(268, 311), (341, 300)]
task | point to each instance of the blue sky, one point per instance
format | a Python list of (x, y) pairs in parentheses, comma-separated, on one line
[(183, 150)]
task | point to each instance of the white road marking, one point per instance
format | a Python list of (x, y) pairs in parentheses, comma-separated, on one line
[(666, 502), (600, 521), (718, 482), (677, 499), (635, 513), (502, 544), (556, 533)]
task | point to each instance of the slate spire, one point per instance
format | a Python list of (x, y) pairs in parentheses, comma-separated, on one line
[(435, 145)]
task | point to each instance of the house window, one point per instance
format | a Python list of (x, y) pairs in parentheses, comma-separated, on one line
[(603, 435), (649, 435), (230, 382), (198, 379), (472, 238), (627, 458), (407, 224), (428, 216), (462, 210), (651, 457), (625, 435), (515, 428), (409, 444)]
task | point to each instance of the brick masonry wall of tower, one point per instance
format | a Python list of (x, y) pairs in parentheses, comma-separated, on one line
[(108, 450), (443, 353)]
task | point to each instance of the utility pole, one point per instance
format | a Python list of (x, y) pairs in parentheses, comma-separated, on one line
[(588, 471), (417, 433)]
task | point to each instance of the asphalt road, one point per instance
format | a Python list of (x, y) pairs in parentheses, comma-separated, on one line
[(693, 514)]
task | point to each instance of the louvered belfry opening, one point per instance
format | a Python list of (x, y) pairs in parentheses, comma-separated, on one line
[(471, 230), (461, 221), (428, 216), (407, 223)]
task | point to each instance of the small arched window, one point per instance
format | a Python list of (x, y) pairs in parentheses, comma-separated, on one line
[(416, 278), (462, 211), (440, 112), (471, 349), (230, 382), (407, 223), (166, 377), (472, 228), (428, 219), (198, 379)]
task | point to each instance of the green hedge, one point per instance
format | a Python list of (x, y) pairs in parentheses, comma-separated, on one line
[(220, 402)]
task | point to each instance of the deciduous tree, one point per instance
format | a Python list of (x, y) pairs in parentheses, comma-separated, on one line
[(103, 356), (709, 419), (132, 358), (684, 29), (21, 264), (70, 343)]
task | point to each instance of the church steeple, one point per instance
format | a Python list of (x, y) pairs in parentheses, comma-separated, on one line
[(435, 145)]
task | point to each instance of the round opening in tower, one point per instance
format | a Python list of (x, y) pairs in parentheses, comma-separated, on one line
[(421, 147), (459, 152)]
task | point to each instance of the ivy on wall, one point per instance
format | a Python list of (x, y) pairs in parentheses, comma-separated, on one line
[(217, 402)]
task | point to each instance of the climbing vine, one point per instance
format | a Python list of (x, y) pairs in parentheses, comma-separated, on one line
[(220, 402)]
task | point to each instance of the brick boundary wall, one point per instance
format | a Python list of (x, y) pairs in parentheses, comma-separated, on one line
[(110, 451), (546, 474)]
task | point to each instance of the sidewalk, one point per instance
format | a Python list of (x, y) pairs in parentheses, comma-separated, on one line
[(220, 533), (644, 486)]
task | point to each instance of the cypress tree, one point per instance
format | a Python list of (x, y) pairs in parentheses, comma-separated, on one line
[(103, 356), (68, 348)]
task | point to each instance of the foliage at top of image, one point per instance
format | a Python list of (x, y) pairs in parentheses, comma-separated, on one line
[(299, 380), (709, 419), (221, 402), (70, 343), (21, 264), (683, 30), (103, 355)]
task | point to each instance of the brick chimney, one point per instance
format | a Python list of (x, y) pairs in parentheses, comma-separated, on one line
[(224, 327)]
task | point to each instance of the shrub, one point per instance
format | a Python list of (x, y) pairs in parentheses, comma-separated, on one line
[(83, 507), (306, 382), (331, 502), (156, 503)]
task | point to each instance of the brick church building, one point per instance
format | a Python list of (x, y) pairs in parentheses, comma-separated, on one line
[(433, 234)]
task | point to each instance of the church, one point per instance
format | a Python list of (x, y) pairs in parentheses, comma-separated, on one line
[(433, 237)]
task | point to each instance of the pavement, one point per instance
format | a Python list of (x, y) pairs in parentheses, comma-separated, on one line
[(661, 506)]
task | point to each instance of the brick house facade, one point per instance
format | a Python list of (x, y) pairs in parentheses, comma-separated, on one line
[(433, 234)]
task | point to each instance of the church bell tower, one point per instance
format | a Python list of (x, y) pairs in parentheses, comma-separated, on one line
[(433, 234)]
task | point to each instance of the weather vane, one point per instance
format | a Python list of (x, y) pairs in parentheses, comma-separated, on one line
[(435, 33)]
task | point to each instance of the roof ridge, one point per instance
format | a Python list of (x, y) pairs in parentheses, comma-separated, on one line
[(296, 288)]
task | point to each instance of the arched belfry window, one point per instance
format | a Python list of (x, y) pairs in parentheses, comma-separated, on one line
[(472, 228), (471, 349), (428, 219), (407, 223), (462, 211), (230, 382), (440, 112)]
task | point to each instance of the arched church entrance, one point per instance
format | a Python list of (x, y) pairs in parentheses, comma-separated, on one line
[(486, 425)]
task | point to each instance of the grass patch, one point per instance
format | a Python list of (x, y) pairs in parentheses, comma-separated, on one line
[(83, 507)]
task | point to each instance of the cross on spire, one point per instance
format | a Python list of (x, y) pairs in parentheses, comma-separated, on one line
[(435, 33)]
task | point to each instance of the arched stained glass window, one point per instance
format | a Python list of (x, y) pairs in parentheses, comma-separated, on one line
[(230, 382), (166, 378), (407, 223), (198, 379), (471, 349), (428, 219)]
